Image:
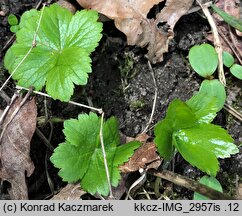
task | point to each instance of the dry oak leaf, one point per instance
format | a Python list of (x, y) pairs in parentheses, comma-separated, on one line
[(144, 157), (130, 17), (15, 147)]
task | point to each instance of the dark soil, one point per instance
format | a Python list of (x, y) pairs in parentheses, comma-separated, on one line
[(122, 84)]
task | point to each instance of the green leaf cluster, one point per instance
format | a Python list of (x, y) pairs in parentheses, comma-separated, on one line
[(13, 22), (80, 157), (61, 57), (204, 60), (235, 69), (187, 128)]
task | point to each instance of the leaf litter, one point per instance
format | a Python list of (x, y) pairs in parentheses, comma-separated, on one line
[(130, 17), (15, 146), (144, 157), (230, 38)]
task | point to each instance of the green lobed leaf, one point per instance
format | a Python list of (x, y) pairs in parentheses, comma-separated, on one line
[(204, 106), (216, 89), (77, 131), (95, 179), (80, 158), (211, 182), (69, 159), (110, 132), (236, 70), (228, 59), (201, 145), (61, 56), (203, 59), (12, 20)]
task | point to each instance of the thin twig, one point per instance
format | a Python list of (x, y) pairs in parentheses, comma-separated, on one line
[(49, 180), (4, 96), (233, 112), (190, 184), (234, 43), (217, 43), (12, 38), (38, 4), (99, 110), (44, 139), (9, 42), (155, 98), (105, 157), (8, 107), (137, 184), (27, 54), (230, 46)]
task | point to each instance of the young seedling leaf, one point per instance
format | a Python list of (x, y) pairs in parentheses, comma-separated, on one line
[(231, 20), (236, 70), (216, 89), (211, 182), (203, 59), (60, 58), (163, 139), (14, 28), (203, 144), (180, 115), (12, 20), (80, 158), (208, 101), (204, 106), (228, 59)]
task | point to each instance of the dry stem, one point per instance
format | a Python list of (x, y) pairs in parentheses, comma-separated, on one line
[(190, 184), (155, 98), (217, 43)]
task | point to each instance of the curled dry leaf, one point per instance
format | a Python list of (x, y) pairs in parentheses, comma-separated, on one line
[(130, 17), (144, 157), (15, 147)]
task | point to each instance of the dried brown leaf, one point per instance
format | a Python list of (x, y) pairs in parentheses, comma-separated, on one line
[(130, 17), (69, 192), (15, 147), (142, 158), (68, 5)]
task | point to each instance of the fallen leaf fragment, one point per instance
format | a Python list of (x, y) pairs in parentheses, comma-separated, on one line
[(144, 157), (130, 17), (15, 147), (68, 5), (69, 192)]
